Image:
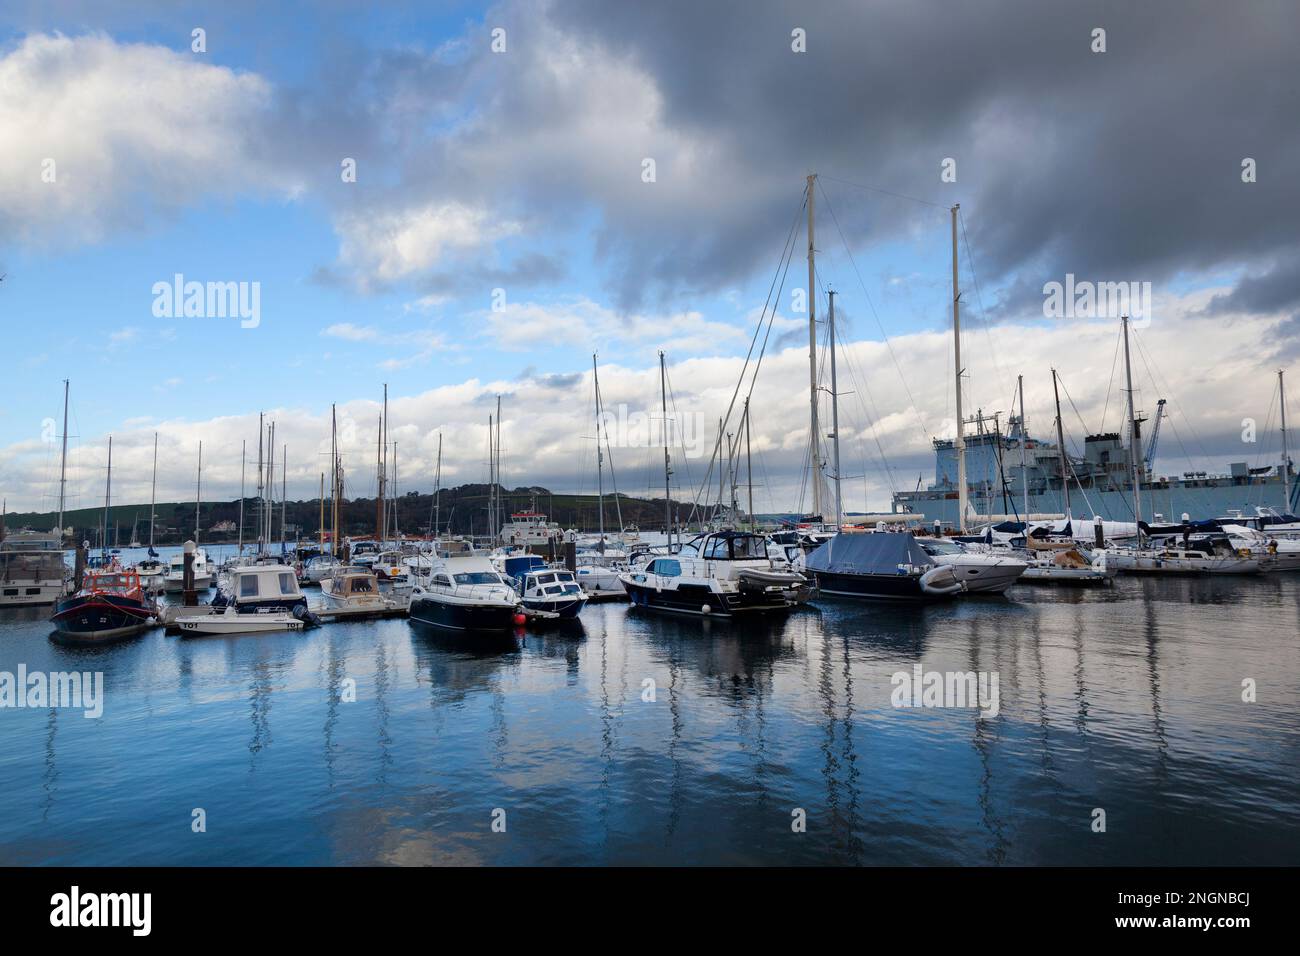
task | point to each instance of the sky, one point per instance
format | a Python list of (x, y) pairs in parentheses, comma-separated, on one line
[(463, 201)]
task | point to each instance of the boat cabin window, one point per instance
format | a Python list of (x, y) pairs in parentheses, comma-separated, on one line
[(716, 549), (248, 585), (288, 583), (441, 580), (749, 546), (666, 567), (477, 577), (361, 585)]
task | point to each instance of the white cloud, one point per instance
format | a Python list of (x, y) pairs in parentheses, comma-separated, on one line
[(131, 129)]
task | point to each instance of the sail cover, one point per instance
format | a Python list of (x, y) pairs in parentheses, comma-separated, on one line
[(879, 552)]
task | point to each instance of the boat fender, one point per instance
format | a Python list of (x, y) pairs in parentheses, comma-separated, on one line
[(705, 609)]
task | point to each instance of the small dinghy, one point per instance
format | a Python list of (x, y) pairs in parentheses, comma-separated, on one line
[(229, 620)]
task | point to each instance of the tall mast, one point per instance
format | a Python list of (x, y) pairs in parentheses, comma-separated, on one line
[(383, 482), (396, 493), (437, 490), (749, 469), (284, 495), (1134, 447), (261, 430), (270, 484), (600, 459), (499, 518), (1060, 443), (108, 492), (668, 489), (814, 428), (720, 478), (1024, 468), (334, 481), (243, 453), (63, 466), (1286, 458), (320, 519), (960, 443), (198, 494), (835, 418), (153, 491)]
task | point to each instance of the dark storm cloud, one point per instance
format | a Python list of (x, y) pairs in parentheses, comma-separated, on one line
[(1120, 165), (1276, 289)]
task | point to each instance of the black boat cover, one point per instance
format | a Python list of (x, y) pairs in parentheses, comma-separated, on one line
[(873, 552)]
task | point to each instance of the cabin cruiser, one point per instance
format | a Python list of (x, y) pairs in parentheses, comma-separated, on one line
[(719, 574), (552, 591), (253, 598), (881, 565), (392, 569), (1067, 566), (111, 605), (981, 573), (153, 573), (353, 587), (174, 580), (1266, 520), (363, 553), (599, 579), (318, 568), (531, 529), (31, 577), (465, 594)]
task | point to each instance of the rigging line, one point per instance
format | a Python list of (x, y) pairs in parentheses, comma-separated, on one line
[(888, 344), (787, 253), (1163, 383), (1114, 359), (979, 297), (872, 413), (877, 189)]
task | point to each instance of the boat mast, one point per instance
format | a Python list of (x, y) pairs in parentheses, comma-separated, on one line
[(960, 443), (500, 515), (260, 431), (198, 495), (63, 464), (600, 460), (334, 481), (153, 492), (284, 495), (1024, 468), (1286, 458), (1134, 448), (668, 488), (396, 493), (749, 470), (108, 491), (835, 418), (1060, 441), (814, 429), (320, 520), (243, 453), (437, 490), (270, 484)]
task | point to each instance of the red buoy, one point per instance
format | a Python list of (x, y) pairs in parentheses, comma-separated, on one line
[(520, 618)]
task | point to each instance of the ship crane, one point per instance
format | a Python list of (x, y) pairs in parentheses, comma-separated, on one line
[(1150, 457)]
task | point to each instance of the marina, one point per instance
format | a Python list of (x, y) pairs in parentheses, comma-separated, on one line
[(841, 442)]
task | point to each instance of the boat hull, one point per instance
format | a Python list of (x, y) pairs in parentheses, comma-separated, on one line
[(463, 617), (100, 618), (216, 624), (30, 595), (693, 599), (874, 587), (567, 609)]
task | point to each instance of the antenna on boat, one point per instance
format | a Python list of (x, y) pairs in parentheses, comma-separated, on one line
[(198, 495), (108, 491), (63, 460), (1024, 468), (960, 442), (600, 460)]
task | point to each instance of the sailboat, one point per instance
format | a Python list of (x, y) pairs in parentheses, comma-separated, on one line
[(152, 572), (111, 604)]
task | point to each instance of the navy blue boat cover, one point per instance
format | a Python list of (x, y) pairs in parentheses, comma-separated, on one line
[(874, 552)]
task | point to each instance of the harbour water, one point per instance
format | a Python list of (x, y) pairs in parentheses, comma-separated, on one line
[(1127, 699)]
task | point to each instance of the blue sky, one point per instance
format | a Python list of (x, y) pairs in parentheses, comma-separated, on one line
[(522, 170)]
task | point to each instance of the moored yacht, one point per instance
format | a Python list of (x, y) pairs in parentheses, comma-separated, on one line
[(31, 577), (551, 591), (353, 587), (719, 574), (465, 595), (252, 599), (882, 565), (111, 605), (174, 580), (981, 573)]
